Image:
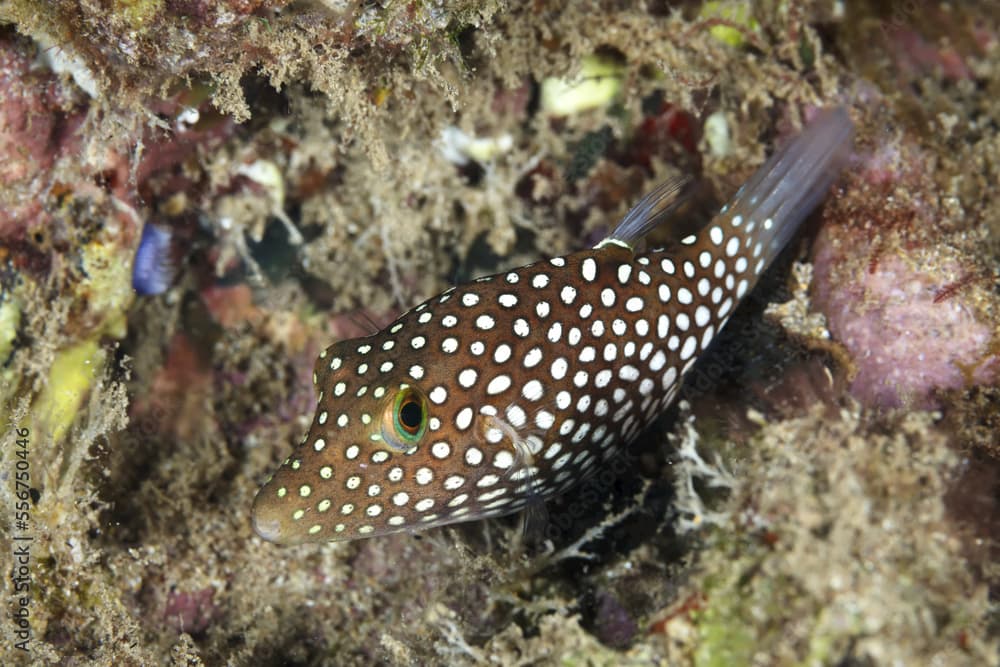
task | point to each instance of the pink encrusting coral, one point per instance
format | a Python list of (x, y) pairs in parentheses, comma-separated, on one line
[(899, 291), (905, 341)]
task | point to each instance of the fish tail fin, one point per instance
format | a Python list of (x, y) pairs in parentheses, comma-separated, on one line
[(766, 212)]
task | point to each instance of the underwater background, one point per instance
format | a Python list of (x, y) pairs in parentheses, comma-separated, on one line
[(198, 196)]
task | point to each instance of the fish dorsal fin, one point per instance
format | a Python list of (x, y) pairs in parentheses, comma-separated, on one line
[(647, 214)]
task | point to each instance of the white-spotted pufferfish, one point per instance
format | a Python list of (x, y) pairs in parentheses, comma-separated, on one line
[(516, 386)]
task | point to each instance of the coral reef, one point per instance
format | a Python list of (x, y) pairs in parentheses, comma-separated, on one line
[(822, 545), (314, 167)]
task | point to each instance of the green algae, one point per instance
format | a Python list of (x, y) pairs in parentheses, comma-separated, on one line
[(724, 636)]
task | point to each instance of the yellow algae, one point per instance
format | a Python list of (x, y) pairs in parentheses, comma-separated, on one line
[(598, 83), (10, 320), (70, 378)]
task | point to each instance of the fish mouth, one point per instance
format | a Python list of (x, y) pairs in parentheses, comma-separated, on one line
[(267, 529), (266, 520)]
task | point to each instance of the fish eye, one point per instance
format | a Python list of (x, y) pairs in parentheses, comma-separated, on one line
[(405, 420), (410, 416)]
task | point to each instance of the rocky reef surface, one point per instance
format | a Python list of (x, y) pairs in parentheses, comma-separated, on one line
[(196, 196)]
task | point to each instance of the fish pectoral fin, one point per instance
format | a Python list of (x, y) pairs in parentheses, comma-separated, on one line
[(534, 522), (526, 444)]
